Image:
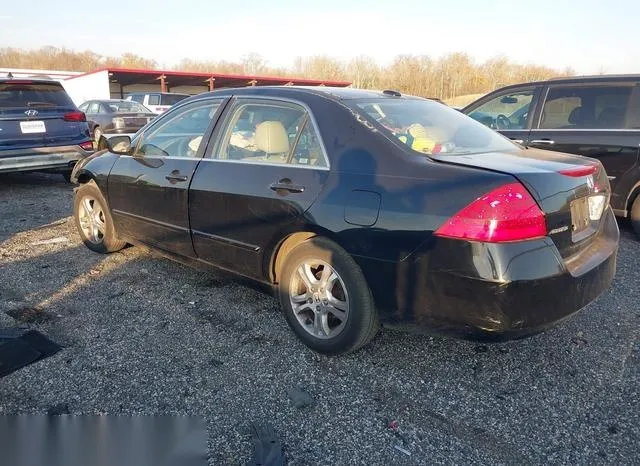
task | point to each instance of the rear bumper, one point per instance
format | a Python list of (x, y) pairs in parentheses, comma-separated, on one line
[(42, 158), (498, 291)]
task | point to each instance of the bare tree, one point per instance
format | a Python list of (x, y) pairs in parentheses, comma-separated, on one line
[(449, 76)]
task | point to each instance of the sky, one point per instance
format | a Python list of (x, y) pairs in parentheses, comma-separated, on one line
[(590, 36)]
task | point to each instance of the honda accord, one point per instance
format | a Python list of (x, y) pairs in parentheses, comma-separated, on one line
[(359, 208)]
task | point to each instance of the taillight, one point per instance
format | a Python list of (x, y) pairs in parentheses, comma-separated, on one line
[(582, 170), (507, 213), (74, 116), (87, 145)]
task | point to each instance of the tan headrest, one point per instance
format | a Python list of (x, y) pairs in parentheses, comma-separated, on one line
[(271, 138)]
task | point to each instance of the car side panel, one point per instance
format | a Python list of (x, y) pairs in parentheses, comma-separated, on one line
[(416, 194)]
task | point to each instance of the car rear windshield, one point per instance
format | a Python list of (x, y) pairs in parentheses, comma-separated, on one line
[(430, 127), (126, 106), (172, 99), (23, 94)]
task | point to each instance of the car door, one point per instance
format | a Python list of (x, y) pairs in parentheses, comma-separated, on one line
[(594, 120), (508, 111), (264, 172), (148, 190)]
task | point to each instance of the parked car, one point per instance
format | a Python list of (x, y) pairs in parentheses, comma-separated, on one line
[(359, 207), (41, 129), (109, 117), (157, 102), (596, 116)]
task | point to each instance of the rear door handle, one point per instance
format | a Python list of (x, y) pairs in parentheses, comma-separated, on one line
[(285, 184), (519, 141), (543, 141)]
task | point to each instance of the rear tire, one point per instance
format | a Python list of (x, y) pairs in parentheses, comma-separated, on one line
[(635, 215), (323, 327), (93, 220)]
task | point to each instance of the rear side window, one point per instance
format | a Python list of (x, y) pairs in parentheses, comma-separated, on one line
[(271, 133), (171, 99), (595, 107), (23, 94), (154, 99)]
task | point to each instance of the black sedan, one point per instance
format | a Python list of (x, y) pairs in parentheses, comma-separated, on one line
[(109, 117), (359, 208)]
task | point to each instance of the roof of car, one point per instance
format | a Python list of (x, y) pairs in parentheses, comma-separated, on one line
[(578, 79), (37, 80), (335, 93), (155, 92), (111, 100)]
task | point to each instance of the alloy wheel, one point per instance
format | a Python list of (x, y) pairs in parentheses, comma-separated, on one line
[(319, 299), (92, 219)]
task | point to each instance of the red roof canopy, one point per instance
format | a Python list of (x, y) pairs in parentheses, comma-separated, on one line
[(127, 76)]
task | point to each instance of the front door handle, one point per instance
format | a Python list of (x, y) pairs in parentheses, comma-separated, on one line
[(285, 184), (175, 176), (543, 141)]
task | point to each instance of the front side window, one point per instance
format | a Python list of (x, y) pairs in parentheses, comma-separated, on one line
[(595, 107), (429, 127), (268, 133), (180, 134), (506, 111)]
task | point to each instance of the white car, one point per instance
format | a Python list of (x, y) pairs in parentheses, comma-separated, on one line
[(157, 102)]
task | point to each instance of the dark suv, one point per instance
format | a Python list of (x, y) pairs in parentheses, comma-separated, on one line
[(41, 129), (595, 116)]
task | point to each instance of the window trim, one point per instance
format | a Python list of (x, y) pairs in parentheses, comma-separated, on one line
[(257, 98), (549, 87), (533, 106)]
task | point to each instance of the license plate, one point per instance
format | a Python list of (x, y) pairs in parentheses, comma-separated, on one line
[(580, 214), (28, 127)]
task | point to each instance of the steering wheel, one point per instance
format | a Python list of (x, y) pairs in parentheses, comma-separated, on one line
[(184, 149), (502, 122)]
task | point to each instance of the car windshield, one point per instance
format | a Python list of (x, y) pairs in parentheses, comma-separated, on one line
[(429, 127), (126, 106), (21, 94)]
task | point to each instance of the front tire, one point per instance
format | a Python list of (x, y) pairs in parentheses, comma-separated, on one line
[(635, 215), (326, 299), (93, 220)]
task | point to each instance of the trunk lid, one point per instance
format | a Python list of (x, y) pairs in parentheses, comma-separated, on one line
[(561, 184)]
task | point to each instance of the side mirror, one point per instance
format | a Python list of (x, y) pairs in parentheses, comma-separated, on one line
[(119, 145)]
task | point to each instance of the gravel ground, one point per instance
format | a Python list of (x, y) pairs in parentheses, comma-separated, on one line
[(146, 335)]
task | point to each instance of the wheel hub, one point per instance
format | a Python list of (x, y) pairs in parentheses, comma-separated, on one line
[(319, 299)]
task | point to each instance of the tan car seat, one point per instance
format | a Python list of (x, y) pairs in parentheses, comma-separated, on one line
[(271, 138)]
